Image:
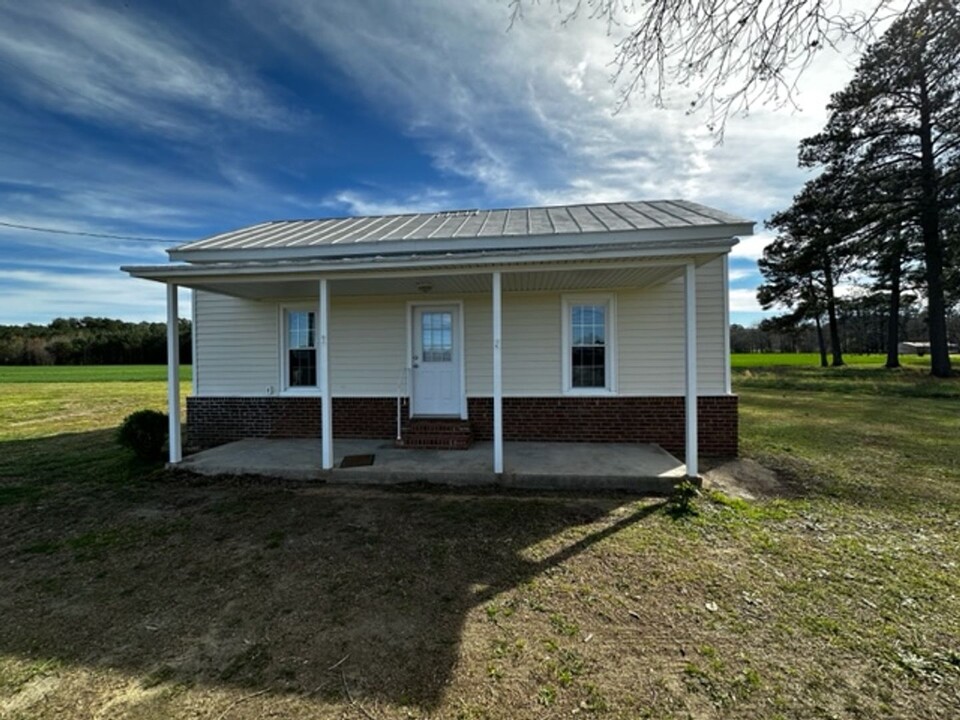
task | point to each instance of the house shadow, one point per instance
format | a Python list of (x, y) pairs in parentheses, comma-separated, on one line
[(309, 590)]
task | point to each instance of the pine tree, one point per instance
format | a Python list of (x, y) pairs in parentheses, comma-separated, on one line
[(898, 124)]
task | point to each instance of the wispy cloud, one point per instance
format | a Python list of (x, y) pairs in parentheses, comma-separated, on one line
[(101, 63), (38, 296)]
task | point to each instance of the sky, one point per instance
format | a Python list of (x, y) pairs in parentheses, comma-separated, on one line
[(168, 121)]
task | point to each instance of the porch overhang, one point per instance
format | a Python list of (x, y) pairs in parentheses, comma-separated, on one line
[(627, 266)]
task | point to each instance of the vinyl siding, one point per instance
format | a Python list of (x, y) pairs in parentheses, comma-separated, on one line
[(238, 351), (236, 346)]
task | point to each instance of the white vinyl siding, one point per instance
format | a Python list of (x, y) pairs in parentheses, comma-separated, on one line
[(651, 336), (236, 344), (238, 351)]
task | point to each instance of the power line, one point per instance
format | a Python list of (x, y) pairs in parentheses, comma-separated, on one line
[(55, 231)]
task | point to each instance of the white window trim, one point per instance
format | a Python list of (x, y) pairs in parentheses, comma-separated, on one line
[(284, 337), (610, 356)]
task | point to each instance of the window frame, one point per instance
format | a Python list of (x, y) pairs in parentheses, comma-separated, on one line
[(568, 302), (285, 387)]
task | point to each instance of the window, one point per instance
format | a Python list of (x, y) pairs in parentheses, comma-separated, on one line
[(301, 349), (436, 336), (588, 344)]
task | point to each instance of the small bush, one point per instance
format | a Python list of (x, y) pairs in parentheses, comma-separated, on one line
[(681, 502), (144, 432)]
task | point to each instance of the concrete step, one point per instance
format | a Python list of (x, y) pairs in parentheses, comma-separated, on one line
[(438, 434)]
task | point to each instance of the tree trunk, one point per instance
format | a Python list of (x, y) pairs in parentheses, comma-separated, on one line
[(832, 314), (821, 341), (893, 321), (932, 242)]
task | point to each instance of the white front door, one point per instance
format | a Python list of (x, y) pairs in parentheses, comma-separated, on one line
[(436, 360)]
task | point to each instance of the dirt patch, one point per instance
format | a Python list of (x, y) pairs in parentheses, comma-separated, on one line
[(746, 479)]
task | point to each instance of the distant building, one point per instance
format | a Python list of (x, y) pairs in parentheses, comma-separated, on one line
[(921, 348)]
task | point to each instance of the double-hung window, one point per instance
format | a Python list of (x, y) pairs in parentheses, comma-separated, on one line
[(588, 344), (300, 349)]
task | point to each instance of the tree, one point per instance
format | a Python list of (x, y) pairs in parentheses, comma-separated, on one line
[(898, 124), (804, 264), (734, 55)]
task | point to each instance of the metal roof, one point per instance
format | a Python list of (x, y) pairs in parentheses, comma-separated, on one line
[(456, 227)]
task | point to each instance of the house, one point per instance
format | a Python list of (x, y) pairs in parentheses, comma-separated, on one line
[(593, 323)]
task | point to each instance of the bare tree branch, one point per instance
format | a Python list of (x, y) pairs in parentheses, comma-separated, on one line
[(733, 54)]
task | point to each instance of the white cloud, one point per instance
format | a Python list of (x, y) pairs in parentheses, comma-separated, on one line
[(103, 63), (357, 203), (528, 113), (737, 274), (751, 247), (744, 300), (39, 296)]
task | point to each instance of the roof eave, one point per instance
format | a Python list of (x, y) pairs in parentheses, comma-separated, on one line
[(365, 264)]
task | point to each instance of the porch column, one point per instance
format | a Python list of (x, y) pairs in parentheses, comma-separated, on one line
[(690, 358), (173, 373), (323, 374), (497, 378), (727, 385)]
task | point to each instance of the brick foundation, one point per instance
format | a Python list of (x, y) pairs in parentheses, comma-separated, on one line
[(217, 420)]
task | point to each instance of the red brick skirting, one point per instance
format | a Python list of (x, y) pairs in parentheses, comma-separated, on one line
[(216, 420)]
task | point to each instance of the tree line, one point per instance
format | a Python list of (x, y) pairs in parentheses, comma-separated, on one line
[(90, 341), (883, 212)]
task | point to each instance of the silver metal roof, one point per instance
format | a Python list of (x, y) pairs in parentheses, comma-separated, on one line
[(453, 228)]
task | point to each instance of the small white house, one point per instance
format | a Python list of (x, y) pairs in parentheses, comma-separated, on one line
[(589, 323)]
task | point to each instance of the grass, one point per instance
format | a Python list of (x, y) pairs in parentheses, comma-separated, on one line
[(134, 593), (749, 360), (87, 373)]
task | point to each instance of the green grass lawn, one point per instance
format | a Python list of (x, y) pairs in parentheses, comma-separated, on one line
[(130, 592), (87, 373), (745, 360)]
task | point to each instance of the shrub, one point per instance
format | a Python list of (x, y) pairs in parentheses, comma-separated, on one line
[(681, 502), (144, 432)]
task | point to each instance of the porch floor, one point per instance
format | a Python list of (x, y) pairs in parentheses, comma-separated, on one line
[(539, 465)]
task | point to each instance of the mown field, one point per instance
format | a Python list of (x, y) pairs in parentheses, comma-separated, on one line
[(130, 592), (746, 360)]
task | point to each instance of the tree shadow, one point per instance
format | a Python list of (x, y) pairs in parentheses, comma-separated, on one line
[(306, 590)]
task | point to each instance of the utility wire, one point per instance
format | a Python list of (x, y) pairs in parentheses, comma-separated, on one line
[(55, 231)]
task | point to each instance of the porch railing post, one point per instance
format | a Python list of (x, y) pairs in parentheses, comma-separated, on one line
[(173, 373), (497, 377), (323, 374), (690, 362)]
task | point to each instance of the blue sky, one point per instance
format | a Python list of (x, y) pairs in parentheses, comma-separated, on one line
[(173, 120)]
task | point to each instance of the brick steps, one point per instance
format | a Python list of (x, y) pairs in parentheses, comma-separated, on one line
[(439, 434)]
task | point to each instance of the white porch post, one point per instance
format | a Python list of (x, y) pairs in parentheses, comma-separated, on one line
[(173, 373), (497, 377), (728, 386), (690, 357), (323, 374)]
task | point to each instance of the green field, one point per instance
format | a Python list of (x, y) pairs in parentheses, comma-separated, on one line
[(129, 591), (743, 360), (87, 373)]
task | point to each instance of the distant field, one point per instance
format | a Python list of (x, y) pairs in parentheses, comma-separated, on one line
[(87, 373), (748, 360)]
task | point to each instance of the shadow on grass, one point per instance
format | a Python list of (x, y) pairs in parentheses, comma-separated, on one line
[(299, 590), (85, 457)]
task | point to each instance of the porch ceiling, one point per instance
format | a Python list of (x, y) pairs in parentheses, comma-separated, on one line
[(448, 284)]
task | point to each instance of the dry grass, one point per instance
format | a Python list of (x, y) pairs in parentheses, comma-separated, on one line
[(126, 594)]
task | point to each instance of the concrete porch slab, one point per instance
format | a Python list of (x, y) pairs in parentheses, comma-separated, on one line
[(545, 466)]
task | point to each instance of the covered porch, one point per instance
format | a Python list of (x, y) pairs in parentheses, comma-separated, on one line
[(497, 459), (640, 468)]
